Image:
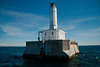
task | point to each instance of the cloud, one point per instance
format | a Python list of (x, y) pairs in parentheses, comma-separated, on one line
[(23, 15), (13, 31), (24, 19), (45, 27), (72, 23), (98, 29), (82, 20), (88, 33), (20, 23), (2, 44), (66, 27), (87, 44)]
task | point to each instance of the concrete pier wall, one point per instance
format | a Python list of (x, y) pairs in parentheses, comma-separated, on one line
[(52, 48), (34, 47)]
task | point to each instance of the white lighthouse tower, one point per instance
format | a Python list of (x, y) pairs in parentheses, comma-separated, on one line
[(53, 16), (53, 33)]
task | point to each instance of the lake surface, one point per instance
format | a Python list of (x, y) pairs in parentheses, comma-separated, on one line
[(13, 57)]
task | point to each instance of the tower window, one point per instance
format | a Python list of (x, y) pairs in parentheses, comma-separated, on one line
[(52, 33), (45, 34)]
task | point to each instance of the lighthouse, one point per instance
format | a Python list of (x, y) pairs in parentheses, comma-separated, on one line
[(52, 43), (53, 33), (53, 16)]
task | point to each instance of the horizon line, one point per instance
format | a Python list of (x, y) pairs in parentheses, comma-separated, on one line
[(25, 45)]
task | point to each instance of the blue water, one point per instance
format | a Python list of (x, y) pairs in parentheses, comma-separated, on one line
[(12, 57)]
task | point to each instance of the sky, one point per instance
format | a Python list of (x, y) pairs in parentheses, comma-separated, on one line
[(20, 20)]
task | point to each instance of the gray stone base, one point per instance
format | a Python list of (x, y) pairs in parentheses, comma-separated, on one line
[(51, 49)]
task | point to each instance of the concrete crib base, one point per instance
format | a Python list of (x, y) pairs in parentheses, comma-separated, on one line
[(51, 49), (48, 58)]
